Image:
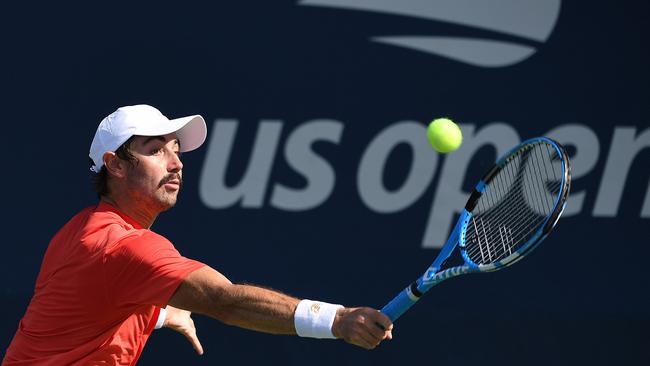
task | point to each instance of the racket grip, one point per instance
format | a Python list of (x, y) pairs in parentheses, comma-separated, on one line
[(398, 306)]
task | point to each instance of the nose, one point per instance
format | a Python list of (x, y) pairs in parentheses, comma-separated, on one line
[(175, 163)]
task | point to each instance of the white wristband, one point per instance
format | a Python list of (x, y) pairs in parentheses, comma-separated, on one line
[(161, 318), (314, 319)]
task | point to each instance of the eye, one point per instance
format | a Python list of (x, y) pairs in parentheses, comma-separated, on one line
[(156, 151)]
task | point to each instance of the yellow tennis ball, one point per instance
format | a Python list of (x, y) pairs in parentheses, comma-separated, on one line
[(444, 135)]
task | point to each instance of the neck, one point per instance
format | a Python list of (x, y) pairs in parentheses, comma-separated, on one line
[(140, 214)]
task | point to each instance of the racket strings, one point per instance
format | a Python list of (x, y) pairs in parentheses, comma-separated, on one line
[(489, 239), (517, 207), (514, 204), (497, 240)]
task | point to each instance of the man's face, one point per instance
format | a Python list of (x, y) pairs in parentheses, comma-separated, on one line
[(156, 178)]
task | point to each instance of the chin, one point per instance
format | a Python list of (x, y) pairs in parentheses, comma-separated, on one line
[(166, 207), (167, 202)]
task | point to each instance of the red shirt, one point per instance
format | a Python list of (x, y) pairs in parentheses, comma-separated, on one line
[(102, 282)]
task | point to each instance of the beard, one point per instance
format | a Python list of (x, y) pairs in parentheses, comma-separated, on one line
[(165, 198), (155, 197)]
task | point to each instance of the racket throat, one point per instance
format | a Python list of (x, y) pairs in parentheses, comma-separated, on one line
[(413, 292)]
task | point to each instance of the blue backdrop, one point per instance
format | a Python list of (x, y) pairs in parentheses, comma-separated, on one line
[(316, 178)]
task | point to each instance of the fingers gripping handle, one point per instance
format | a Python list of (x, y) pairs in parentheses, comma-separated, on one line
[(402, 302)]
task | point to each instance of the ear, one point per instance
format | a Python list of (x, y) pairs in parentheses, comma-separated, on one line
[(114, 165)]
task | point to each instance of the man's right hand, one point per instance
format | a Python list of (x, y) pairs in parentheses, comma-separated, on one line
[(358, 326)]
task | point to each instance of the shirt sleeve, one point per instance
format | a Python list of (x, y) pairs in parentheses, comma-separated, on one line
[(145, 269)]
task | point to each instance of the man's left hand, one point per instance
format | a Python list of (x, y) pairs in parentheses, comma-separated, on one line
[(181, 321)]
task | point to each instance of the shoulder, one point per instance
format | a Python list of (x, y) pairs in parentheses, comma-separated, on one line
[(145, 237), (140, 243), (109, 231)]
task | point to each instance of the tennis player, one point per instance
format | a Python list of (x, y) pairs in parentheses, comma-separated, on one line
[(107, 281)]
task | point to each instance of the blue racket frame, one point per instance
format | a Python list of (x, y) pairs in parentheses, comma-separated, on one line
[(433, 275)]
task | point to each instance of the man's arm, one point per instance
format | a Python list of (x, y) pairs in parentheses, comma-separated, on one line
[(208, 292)]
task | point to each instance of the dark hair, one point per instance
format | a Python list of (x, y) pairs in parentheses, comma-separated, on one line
[(100, 180)]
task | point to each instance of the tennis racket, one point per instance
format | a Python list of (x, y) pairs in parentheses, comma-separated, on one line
[(511, 210)]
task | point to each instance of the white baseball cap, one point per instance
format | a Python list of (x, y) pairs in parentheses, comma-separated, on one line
[(143, 120)]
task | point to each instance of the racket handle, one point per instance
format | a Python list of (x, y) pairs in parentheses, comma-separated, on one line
[(398, 306)]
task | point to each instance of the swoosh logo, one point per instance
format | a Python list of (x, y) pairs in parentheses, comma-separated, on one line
[(530, 20)]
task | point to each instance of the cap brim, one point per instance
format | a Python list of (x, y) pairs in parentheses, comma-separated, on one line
[(192, 132)]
